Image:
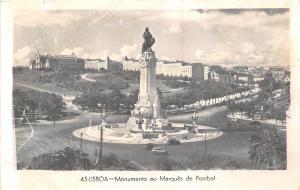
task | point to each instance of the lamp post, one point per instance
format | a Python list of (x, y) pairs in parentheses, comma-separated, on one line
[(195, 119), (81, 134), (102, 118)]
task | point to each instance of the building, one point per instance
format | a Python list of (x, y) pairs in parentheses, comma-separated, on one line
[(222, 76), (131, 64), (278, 73), (214, 75), (244, 78), (227, 78), (258, 72), (257, 79), (206, 71), (55, 62), (194, 71), (107, 64)]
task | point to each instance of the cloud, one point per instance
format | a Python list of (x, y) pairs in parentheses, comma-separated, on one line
[(229, 58), (211, 36), (128, 50), (23, 56), (248, 47), (80, 52), (199, 54), (215, 57), (45, 18), (173, 29), (256, 58), (125, 50)]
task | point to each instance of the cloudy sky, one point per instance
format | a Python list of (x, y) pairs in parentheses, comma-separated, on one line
[(225, 37)]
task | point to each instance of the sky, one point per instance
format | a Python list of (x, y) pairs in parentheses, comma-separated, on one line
[(228, 37)]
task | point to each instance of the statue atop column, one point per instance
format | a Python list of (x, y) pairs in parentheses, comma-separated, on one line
[(148, 41)]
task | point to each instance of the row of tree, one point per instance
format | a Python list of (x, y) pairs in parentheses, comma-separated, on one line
[(261, 107), (264, 104), (202, 91), (113, 100)]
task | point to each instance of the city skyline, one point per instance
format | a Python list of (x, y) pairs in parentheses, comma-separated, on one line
[(208, 36)]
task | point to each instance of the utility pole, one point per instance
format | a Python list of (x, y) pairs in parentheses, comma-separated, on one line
[(101, 142), (195, 119), (81, 134), (205, 145), (100, 156)]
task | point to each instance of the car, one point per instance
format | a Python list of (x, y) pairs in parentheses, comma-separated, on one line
[(159, 150)]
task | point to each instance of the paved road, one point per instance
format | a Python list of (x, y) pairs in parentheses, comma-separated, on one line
[(232, 146), (84, 77)]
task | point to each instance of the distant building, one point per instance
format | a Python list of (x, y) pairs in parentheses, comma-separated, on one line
[(206, 71), (227, 78), (222, 76), (258, 72), (169, 68), (278, 73), (131, 64), (257, 79), (194, 71), (98, 64), (55, 62), (244, 77)]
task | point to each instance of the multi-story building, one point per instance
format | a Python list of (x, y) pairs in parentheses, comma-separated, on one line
[(206, 71), (244, 77), (107, 64), (278, 73), (194, 71), (131, 64), (222, 76), (56, 62), (258, 72)]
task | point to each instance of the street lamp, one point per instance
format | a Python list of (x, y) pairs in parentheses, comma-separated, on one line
[(103, 116), (195, 119), (81, 134)]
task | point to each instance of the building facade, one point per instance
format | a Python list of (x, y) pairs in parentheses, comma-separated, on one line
[(56, 62), (206, 71), (222, 77), (194, 71), (131, 64), (107, 64)]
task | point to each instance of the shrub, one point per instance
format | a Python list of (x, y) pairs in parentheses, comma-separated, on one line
[(110, 160), (166, 164)]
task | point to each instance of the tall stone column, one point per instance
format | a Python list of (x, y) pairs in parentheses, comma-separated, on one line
[(148, 89)]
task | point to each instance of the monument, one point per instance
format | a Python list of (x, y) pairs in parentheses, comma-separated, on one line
[(145, 123), (147, 107)]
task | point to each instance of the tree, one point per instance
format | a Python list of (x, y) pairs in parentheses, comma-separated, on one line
[(55, 107), (231, 107), (268, 149), (250, 109)]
